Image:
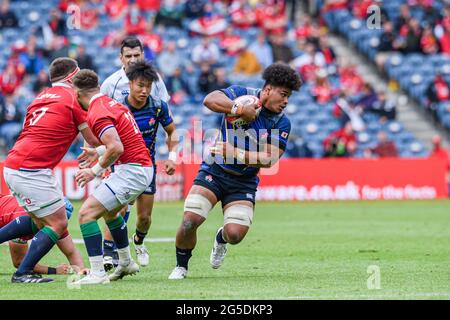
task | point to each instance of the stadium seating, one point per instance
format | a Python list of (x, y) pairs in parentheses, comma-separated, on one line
[(310, 120)]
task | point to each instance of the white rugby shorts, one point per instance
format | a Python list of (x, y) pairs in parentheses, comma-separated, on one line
[(37, 191), (124, 185)]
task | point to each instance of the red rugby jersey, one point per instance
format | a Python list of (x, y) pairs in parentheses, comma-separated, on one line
[(105, 113), (52, 122)]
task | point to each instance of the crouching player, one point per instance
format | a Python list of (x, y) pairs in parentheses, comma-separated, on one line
[(234, 182), (113, 124), (13, 216)]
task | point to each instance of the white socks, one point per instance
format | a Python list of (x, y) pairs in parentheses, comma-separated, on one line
[(97, 265), (124, 256)]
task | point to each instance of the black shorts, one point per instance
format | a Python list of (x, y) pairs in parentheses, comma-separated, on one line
[(226, 186)]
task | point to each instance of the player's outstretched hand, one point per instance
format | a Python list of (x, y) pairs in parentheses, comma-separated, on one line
[(63, 269), (170, 167), (249, 112), (84, 176), (87, 157)]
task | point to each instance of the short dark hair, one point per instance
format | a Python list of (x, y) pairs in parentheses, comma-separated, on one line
[(143, 70), (61, 67), (282, 75), (131, 42), (85, 80)]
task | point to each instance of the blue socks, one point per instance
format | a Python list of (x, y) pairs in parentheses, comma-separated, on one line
[(41, 244), (119, 231)]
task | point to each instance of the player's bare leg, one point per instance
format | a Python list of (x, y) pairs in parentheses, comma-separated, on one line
[(197, 205), (237, 216), (144, 206)]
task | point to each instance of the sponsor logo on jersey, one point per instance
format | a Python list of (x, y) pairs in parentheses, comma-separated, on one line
[(284, 135), (249, 196), (152, 121), (209, 178), (48, 96)]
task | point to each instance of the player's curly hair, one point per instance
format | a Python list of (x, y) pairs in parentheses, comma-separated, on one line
[(85, 80), (282, 75), (142, 70)]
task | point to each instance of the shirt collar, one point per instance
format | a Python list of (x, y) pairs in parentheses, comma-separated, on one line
[(98, 95), (61, 84)]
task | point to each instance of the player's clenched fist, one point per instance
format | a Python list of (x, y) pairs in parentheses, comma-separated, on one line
[(249, 112), (169, 167), (84, 176)]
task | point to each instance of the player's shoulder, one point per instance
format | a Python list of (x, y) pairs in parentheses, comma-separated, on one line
[(235, 91)]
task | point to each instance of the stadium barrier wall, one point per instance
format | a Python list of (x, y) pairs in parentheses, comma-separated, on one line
[(304, 179)]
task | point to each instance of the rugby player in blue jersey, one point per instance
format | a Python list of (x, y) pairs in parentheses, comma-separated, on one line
[(235, 182), (149, 112)]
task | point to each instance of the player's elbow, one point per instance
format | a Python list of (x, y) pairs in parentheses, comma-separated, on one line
[(210, 100)]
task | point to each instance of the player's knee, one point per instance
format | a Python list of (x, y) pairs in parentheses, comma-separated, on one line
[(188, 225), (233, 236), (198, 204)]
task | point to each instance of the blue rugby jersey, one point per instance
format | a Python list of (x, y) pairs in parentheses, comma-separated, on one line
[(268, 127), (149, 117)]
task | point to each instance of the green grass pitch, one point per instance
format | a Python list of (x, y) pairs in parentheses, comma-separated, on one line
[(293, 251)]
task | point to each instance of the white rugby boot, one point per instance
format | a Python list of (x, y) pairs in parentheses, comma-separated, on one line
[(142, 255), (218, 252), (178, 273), (124, 270), (92, 278)]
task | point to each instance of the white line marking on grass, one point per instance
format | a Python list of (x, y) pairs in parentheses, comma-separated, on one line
[(370, 296), (81, 241)]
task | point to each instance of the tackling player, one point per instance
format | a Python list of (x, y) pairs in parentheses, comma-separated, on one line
[(114, 125), (52, 122), (10, 211), (117, 86), (149, 113), (234, 183)]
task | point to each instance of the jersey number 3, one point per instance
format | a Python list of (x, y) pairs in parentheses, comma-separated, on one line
[(38, 114), (130, 117)]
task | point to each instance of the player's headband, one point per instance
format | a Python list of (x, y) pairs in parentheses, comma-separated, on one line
[(69, 77)]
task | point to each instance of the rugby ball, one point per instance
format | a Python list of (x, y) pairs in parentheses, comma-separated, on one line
[(243, 100)]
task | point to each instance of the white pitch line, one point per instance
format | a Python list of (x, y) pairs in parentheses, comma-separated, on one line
[(81, 241)]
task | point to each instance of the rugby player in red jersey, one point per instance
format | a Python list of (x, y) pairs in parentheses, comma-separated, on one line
[(114, 125), (52, 122), (10, 210)]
